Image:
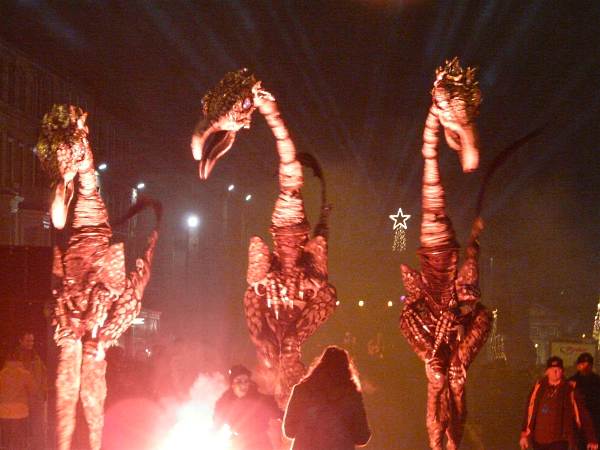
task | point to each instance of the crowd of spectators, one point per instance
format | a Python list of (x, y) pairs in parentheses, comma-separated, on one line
[(393, 387)]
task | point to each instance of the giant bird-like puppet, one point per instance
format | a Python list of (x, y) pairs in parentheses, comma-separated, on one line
[(289, 295), (443, 319), (96, 300)]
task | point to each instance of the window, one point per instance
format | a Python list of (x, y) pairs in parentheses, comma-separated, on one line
[(31, 93), (21, 88), (44, 102), (19, 158), (3, 78), (28, 167), (11, 83), (3, 158), (10, 147)]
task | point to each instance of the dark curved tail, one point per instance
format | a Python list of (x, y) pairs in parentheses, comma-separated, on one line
[(142, 203), (501, 158), (309, 160)]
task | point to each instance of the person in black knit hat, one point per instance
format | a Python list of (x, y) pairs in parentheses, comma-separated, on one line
[(555, 411), (588, 383), (246, 411)]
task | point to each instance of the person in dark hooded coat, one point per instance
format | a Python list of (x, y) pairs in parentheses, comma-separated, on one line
[(246, 411), (326, 410)]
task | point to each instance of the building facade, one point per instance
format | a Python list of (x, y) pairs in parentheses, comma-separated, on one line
[(544, 327), (27, 92), (596, 329)]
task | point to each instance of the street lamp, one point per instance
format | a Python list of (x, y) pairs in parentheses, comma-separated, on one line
[(247, 199), (102, 166), (141, 185), (193, 221), (228, 195)]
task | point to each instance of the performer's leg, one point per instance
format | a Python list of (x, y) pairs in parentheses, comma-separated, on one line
[(437, 403), (475, 337), (67, 391), (457, 376), (291, 368), (93, 393)]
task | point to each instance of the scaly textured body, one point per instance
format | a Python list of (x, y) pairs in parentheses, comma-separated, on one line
[(443, 320), (95, 300), (288, 295)]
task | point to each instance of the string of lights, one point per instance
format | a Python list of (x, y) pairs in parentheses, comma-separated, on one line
[(496, 340), (361, 303), (399, 229), (596, 332)]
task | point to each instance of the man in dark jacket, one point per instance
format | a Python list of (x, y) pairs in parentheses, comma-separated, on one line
[(246, 411), (588, 384), (555, 410), (32, 362)]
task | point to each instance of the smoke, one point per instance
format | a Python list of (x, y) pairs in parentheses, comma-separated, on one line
[(193, 426)]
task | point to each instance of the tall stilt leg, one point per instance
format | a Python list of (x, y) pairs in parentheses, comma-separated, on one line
[(457, 376), (437, 404), (67, 391), (93, 394)]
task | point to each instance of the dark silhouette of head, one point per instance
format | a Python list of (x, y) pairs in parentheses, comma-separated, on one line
[(334, 368), (26, 340), (585, 363)]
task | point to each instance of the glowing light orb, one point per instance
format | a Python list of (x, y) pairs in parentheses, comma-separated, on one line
[(193, 221)]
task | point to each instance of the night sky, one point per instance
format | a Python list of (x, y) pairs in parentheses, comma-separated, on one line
[(353, 79)]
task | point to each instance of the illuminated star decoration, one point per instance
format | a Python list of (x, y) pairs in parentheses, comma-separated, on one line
[(399, 228), (400, 219), (596, 332)]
